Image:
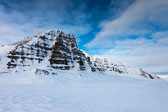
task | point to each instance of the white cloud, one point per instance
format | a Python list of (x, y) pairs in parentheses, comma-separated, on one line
[(161, 37), (141, 18), (146, 21), (15, 24), (141, 52)]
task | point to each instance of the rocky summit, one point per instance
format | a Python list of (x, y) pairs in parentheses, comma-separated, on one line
[(52, 51)]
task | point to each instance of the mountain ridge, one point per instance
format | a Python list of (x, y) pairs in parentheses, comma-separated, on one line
[(53, 50)]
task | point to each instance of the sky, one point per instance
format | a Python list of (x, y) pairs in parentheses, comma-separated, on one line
[(134, 32)]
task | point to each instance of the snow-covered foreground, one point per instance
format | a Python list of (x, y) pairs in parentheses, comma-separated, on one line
[(99, 94)]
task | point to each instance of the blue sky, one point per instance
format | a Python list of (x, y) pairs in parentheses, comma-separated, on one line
[(134, 32)]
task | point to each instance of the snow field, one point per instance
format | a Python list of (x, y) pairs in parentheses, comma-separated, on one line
[(86, 94)]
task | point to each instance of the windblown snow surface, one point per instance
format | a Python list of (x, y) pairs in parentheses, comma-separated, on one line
[(82, 93)]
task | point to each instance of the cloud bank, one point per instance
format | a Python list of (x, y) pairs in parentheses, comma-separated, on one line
[(138, 37), (20, 18)]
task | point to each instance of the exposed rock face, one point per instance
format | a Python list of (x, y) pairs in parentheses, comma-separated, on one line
[(58, 48), (55, 50)]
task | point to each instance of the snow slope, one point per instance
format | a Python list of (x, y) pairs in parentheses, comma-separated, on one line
[(97, 93)]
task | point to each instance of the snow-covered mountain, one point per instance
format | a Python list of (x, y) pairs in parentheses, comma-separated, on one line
[(52, 51)]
